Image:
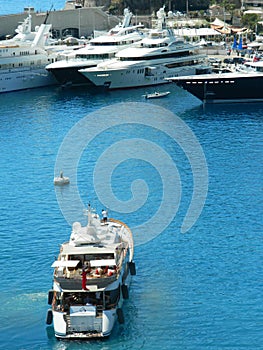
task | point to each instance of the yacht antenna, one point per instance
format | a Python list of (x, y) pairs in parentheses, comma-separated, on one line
[(47, 14)]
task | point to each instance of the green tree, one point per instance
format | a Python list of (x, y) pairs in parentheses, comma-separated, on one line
[(116, 7), (250, 20)]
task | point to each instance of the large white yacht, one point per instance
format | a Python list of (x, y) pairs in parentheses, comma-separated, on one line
[(99, 49), (23, 59), (158, 56), (91, 279)]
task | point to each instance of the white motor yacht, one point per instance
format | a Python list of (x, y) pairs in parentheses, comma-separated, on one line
[(158, 56), (23, 59), (91, 279), (98, 50), (240, 86)]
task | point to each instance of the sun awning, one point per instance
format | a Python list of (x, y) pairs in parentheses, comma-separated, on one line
[(106, 262), (65, 263)]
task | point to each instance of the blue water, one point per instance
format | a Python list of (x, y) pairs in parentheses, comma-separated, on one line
[(17, 6), (199, 290)]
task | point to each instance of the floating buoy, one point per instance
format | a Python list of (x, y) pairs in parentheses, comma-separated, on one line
[(132, 268), (50, 296), (49, 318), (61, 179), (120, 315), (125, 291)]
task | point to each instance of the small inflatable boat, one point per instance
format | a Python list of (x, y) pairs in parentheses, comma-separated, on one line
[(157, 94)]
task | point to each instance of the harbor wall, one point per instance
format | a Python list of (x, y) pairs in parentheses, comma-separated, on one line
[(72, 22), (81, 21)]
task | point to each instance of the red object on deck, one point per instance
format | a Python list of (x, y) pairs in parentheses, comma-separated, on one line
[(84, 275)]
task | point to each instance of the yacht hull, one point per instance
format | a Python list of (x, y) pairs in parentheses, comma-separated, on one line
[(86, 321), (25, 78), (225, 88), (138, 76), (70, 76)]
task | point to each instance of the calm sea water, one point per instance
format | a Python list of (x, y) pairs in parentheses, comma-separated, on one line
[(198, 290)]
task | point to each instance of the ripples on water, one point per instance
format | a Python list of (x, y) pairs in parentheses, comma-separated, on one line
[(200, 290)]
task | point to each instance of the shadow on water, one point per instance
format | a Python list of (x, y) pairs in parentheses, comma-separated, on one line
[(238, 108), (225, 112)]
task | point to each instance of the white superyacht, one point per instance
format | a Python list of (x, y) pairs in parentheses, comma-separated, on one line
[(23, 59), (149, 62), (98, 50)]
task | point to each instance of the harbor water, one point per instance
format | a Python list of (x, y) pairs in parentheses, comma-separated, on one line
[(201, 289)]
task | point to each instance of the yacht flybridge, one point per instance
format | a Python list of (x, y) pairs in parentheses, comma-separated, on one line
[(151, 61), (91, 279)]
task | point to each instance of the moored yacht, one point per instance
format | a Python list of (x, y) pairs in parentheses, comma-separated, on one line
[(23, 60), (158, 56), (99, 49), (91, 279), (242, 86)]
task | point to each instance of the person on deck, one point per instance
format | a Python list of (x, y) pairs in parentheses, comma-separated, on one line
[(104, 216)]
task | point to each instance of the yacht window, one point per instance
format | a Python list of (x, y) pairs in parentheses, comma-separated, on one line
[(164, 54)]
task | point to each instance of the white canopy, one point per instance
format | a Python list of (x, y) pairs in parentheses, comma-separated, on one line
[(106, 262), (65, 263), (191, 32), (256, 11)]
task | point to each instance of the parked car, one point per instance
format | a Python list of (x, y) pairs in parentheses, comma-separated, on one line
[(239, 60), (228, 60)]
